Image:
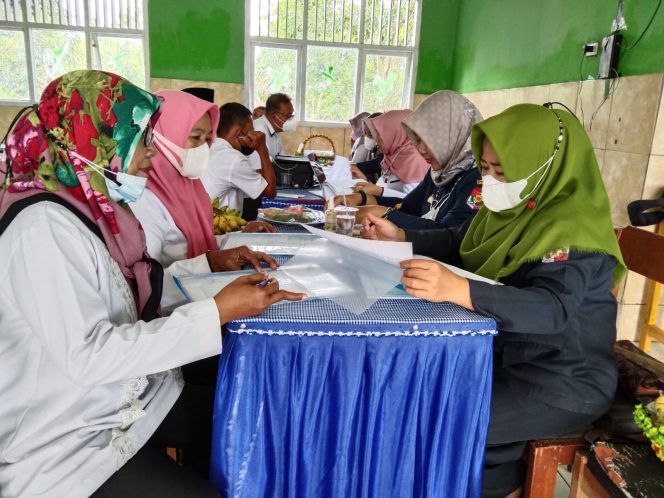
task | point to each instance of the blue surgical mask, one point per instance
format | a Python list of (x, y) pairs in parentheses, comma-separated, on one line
[(127, 188), (124, 187)]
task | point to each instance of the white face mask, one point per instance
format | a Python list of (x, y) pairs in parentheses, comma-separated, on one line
[(289, 125), (499, 196), (125, 187), (193, 162), (370, 143)]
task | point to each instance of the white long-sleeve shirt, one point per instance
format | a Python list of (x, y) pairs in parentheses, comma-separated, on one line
[(394, 187), (83, 385)]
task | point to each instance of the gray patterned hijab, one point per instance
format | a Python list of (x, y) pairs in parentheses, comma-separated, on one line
[(443, 121)]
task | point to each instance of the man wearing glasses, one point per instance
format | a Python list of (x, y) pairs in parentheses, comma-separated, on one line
[(279, 116)]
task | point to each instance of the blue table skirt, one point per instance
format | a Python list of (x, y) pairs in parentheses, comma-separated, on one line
[(332, 412)]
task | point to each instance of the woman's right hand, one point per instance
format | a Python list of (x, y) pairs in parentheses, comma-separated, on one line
[(347, 200), (375, 228), (357, 173), (243, 297)]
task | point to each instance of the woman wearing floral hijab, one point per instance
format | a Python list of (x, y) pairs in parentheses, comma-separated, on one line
[(451, 193), (87, 366), (545, 232)]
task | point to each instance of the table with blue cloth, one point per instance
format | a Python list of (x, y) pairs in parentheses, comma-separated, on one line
[(314, 401), (309, 200)]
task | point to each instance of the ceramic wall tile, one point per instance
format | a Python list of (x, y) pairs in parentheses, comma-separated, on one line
[(629, 319), (654, 184), (633, 113), (419, 97), (160, 84), (223, 92), (346, 142), (489, 103), (624, 175), (599, 154), (658, 137), (7, 114), (593, 108), (635, 289), (292, 139), (565, 93), (528, 95), (337, 135)]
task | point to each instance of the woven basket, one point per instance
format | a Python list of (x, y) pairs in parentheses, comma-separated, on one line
[(301, 147)]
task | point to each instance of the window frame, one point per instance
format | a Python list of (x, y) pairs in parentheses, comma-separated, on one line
[(92, 49), (301, 45)]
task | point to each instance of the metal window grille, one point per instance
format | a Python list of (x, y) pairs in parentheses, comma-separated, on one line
[(94, 18), (383, 27), (385, 23)]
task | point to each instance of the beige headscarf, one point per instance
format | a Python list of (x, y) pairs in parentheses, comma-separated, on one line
[(443, 121)]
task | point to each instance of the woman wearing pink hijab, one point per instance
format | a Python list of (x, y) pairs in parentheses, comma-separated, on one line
[(175, 210), (403, 167)]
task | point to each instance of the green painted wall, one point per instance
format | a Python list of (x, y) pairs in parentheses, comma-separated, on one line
[(197, 39), (438, 31), (512, 43)]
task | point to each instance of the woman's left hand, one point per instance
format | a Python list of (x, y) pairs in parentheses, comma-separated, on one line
[(235, 259), (432, 281), (369, 188), (258, 226)]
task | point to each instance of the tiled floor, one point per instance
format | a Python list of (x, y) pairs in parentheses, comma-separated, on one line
[(564, 475)]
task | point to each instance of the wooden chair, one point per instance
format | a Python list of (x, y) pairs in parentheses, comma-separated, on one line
[(543, 458), (643, 253), (584, 484)]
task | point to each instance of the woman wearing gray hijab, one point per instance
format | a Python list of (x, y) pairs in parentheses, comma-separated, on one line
[(452, 191)]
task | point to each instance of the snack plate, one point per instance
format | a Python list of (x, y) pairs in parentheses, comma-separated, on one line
[(314, 217)]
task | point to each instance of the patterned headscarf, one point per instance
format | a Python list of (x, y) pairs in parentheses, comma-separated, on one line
[(96, 114), (185, 198), (443, 121), (101, 117), (400, 158)]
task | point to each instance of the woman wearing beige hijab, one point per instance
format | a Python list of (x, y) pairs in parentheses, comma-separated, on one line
[(451, 192)]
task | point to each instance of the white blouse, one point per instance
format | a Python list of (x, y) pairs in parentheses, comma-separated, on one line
[(83, 385), (394, 187)]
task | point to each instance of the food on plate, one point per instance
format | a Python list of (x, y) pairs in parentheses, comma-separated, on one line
[(291, 214)]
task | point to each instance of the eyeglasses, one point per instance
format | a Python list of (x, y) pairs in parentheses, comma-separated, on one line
[(287, 116), (148, 136)]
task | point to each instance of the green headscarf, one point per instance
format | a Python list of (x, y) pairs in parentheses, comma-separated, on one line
[(569, 208)]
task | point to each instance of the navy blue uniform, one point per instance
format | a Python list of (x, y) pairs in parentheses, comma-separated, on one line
[(459, 200), (554, 370)]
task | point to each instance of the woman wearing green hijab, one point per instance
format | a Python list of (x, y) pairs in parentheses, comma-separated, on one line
[(545, 233)]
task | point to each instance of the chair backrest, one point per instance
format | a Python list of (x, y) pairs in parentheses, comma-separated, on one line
[(643, 252)]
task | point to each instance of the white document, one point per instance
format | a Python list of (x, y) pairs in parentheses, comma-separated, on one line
[(389, 252), (286, 195), (461, 272), (270, 243), (198, 287)]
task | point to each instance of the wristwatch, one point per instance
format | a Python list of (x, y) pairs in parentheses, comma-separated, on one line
[(363, 198)]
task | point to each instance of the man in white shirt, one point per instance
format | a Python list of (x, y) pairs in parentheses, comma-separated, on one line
[(230, 175), (279, 116)]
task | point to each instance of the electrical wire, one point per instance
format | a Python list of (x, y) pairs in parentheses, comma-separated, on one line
[(659, 4)]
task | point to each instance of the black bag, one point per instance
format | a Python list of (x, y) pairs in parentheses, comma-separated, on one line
[(293, 172)]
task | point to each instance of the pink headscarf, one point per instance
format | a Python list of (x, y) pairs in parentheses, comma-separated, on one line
[(186, 199), (400, 157)]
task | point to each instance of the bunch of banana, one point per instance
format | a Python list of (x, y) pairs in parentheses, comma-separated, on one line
[(226, 220)]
